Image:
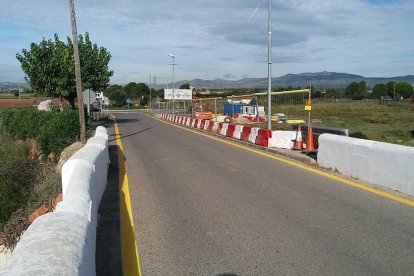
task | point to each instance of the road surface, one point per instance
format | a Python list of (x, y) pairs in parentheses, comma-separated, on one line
[(202, 207)]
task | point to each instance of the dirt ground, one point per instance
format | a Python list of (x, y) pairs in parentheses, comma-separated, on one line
[(25, 102)]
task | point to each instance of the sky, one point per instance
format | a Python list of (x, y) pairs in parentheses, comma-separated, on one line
[(224, 39)]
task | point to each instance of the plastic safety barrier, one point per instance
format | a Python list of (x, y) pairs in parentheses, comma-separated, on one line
[(263, 137)]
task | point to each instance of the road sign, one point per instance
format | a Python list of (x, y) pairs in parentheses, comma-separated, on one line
[(179, 94), (128, 101), (308, 105)]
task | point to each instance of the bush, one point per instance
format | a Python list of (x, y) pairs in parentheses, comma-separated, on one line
[(17, 175), (53, 130), (358, 134)]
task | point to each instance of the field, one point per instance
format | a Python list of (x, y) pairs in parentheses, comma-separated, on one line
[(393, 123), (23, 102)]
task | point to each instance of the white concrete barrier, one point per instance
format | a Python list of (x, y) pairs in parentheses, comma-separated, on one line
[(64, 242), (282, 139), (384, 164)]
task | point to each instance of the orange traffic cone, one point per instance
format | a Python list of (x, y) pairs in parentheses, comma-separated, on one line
[(298, 142), (310, 145)]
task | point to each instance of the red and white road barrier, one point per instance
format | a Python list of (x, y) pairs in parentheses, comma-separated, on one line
[(223, 129), (263, 137), (253, 134), (230, 130), (206, 124), (237, 132)]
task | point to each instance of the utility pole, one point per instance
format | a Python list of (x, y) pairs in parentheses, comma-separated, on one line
[(173, 84), (269, 69), (77, 73)]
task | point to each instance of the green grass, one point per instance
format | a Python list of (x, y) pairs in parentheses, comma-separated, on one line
[(392, 123)]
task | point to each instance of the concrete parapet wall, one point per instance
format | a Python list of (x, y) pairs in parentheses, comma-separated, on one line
[(64, 242), (384, 164)]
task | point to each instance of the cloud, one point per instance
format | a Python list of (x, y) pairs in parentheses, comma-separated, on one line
[(214, 37)]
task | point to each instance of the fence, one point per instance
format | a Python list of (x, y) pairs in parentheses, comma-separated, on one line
[(286, 105)]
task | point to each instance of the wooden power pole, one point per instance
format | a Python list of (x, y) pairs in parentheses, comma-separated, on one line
[(77, 73)]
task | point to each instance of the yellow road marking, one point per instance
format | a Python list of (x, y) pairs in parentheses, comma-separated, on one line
[(129, 248), (302, 166)]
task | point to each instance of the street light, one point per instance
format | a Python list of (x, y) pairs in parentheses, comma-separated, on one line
[(150, 105), (173, 65)]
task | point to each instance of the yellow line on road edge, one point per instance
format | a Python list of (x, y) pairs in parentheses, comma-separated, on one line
[(302, 166), (129, 248)]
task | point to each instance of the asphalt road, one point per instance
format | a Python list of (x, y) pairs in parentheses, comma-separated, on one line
[(202, 207)]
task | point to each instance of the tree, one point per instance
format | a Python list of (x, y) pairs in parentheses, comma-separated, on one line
[(131, 89), (356, 90), (404, 89), (185, 86), (379, 90), (118, 96), (142, 89), (111, 89), (391, 88), (50, 69)]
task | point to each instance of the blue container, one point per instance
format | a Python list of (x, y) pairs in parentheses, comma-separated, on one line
[(230, 109)]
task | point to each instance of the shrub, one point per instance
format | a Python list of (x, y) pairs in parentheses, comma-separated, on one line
[(17, 175), (358, 134), (53, 130)]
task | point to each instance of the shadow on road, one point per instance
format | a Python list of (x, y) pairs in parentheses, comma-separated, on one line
[(108, 242), (127, 120), (128, 135)]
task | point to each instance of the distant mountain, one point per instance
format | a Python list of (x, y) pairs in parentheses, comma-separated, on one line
[(319, 80)]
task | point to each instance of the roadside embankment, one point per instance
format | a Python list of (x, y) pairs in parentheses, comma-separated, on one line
[(63, 242)]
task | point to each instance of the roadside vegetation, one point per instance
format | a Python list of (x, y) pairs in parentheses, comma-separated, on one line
[(367, 119), (31, 140)]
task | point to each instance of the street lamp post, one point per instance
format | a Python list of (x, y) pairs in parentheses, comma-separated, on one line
[(173, 65)]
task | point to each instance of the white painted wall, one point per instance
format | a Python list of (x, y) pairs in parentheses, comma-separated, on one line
[(384, 164), (64, 242)]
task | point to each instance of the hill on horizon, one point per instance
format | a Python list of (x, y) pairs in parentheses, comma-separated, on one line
[(318, 80)]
